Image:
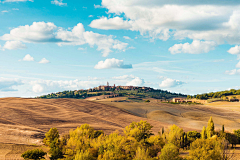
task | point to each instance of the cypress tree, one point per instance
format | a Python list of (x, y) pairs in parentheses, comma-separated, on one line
[(204, 133), (210, 128)]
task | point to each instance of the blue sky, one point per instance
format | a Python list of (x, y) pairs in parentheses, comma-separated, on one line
[(181, 46)]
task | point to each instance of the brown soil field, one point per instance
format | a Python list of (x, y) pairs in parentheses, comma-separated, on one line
[(190, 116), (25, 121)]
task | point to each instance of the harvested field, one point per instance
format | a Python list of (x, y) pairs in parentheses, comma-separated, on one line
[(190, 116), (25, 121)]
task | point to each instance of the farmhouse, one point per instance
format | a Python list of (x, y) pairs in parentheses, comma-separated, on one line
[(177, 100)]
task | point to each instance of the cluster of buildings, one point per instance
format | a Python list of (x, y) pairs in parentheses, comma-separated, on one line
[(180, 100), (114, 87)]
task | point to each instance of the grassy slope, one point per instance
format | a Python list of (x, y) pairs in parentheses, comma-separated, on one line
[(191, 116)]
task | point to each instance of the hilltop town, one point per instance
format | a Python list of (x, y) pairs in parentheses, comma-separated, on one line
[(116, 91)]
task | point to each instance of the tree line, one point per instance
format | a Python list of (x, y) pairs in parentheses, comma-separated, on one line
[(220, 94), (138, 143)]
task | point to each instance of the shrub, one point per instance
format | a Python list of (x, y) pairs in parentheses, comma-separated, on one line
[(169, 152), (206, 149), (237, 133), (147, 100), (35, 154)]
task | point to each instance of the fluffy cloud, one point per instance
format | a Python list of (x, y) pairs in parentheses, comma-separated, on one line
[(169, 83), (112, 63), (44, 61), (112, 23), (37, 32), (135, 82), (58, 3), (44, 86), (8, 84), (234, 50), (78, 36), (41, 32), (233, 72), (11, 45), (195, 47), (104, 43), (28, 58), (206, 21)]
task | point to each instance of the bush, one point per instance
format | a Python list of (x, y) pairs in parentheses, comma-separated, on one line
[(147, 100), (35, 154), (169, 152), (237, 133), (206, 149)]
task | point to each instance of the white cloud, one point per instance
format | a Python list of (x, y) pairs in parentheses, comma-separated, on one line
[(124, 77), (131, 47), (42, 32), (195, 47), (46, 86), (37, 88), (98, 6), (17, 1), (104, 43), (11, 45), (112, 23), (7, 84), (234, 50), (37, 32), (233, 72), (90, 16), (28, 58), (58, 3), (15, 9), (169, 83), (5, 11), (79, 36), (44, 61), (135, 82), (206, 21), (81, 49), (112, 63), (126, 37)]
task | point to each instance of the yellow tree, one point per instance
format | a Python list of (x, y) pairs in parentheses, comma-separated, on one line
[(210, 128)]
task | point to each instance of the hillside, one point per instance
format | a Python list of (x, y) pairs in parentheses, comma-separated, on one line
[(119, 91), (25, 121), (191, 116)]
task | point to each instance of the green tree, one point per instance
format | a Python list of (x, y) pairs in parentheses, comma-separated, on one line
[(169, 152), (50, 136), (237, 133), (52, 140), (35, 154)]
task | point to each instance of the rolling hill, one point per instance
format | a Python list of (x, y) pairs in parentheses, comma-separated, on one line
[(25, 121)]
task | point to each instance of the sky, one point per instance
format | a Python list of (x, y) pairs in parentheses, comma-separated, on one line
[(182, 46)]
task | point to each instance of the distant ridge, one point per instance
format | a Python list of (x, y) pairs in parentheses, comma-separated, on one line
[(115, 91)]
